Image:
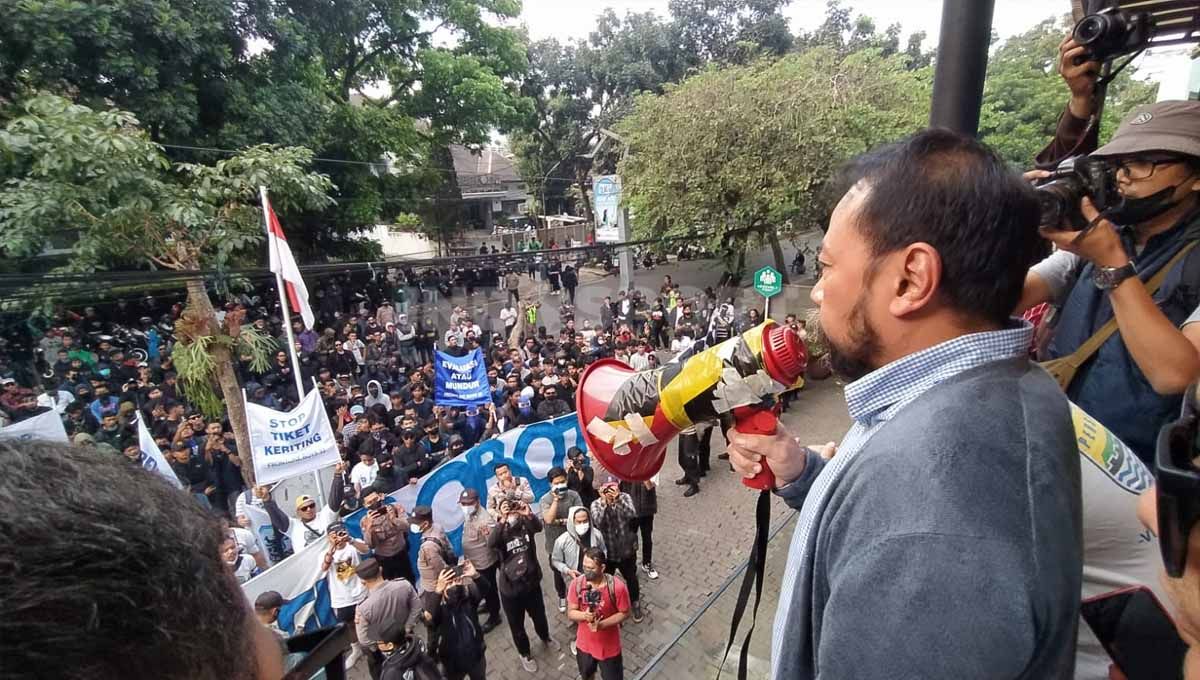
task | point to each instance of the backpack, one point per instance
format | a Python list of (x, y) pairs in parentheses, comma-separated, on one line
[(520, 569), (410, 663), (461, 639), (444, 549)]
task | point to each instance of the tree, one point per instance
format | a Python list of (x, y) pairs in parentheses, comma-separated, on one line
[(730, 31), (846, 33), (744, 154), (97, 173), (1024, 95), (446, 71), (169, 61)]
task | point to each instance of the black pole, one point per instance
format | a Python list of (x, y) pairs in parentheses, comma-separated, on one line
[(961, 64)]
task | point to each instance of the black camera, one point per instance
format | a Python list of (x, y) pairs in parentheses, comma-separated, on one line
[(592, 598), (1112, 32), (1060, 193)]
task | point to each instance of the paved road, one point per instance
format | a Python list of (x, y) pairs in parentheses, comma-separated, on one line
[(699, 541)]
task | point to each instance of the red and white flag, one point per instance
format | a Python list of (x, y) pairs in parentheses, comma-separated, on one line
[(284, 264)]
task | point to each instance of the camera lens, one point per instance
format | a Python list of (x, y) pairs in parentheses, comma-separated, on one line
[(1058, 200), (1092, 29)]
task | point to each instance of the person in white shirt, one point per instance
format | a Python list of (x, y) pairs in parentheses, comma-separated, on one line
[(54, 398), (240, 564), (306, 527), (346, 589), (508, 318), (356, 347), (363, 474), (248, 545), (640, 360), (682, 341)]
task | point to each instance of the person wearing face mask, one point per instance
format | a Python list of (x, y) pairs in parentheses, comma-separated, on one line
[(520, 578), (1132, 383), (434, 554), (385, 530), (599, 603), (567, 556), (478, 524), (387, 602), (554, 507), (405, 657)]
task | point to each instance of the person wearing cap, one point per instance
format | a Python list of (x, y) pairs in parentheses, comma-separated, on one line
[(478, 524), (387, 602), (309, 524), (346, 589), (193, 472), (1133, 383), (434, 555), (614, 514), (266, 610)]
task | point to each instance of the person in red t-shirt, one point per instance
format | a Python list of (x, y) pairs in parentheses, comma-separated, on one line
[(600, 604)]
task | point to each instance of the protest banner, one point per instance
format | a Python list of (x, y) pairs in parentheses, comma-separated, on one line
[(45, 426), (461, 381), (289, 444), (530, 452), (152, 457)]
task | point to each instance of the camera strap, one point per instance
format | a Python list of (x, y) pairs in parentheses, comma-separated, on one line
[(755, 572)]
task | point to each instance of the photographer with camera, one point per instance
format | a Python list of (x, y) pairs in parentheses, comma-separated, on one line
[(507, 487), (1125, 221), (616, 517), (520, 577), (599, 603), (385, 530)]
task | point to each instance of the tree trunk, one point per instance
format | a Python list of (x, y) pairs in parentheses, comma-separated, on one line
[(777, 249), (586, 205), (235, 407)]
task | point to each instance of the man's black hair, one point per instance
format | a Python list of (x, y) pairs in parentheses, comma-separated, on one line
[(501, 464), (117, 589), (596, 555), (954, 193), (555, 472)]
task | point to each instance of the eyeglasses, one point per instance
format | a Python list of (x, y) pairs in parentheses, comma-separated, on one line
[(310, 506), (1177, 482), (1142, 168)]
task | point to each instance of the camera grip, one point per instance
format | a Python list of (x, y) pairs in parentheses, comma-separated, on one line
[(749, 420)]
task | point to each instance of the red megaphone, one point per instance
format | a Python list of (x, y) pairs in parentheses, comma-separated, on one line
[(628, 418)]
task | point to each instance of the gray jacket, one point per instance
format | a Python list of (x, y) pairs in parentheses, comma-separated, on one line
[(950, 546), (564, 557)]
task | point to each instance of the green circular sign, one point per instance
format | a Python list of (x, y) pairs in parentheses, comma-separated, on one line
[(768, 282)]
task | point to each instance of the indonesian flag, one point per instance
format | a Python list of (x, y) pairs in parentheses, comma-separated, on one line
[(284, 264)]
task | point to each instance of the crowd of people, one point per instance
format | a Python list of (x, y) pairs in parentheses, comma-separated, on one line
[(975, 502), (371, 354)]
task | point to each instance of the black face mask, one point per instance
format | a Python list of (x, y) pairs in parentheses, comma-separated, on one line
[(456, 594), (1134, 211)]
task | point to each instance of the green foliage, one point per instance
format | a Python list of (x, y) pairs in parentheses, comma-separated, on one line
[(98, 176), (195, 367), (449, 67), (745, 153), (258, 346), (1024, 95)]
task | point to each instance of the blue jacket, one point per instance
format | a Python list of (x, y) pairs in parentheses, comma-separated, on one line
[(1110, 387)]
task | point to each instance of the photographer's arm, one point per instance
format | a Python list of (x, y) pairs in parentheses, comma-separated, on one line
[(1169, 357), (1072, 135)]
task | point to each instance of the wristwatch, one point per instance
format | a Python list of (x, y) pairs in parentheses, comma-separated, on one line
[(1107, 278)]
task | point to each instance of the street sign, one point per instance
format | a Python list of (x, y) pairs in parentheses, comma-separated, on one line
[(768, 282)]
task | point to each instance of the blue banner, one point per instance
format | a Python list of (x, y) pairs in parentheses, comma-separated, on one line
[(530, 451), (461, 381)]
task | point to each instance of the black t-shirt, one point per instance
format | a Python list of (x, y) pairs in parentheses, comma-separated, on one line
[(424, 409)]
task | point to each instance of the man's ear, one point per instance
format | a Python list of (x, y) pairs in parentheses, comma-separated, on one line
[(917, 276)]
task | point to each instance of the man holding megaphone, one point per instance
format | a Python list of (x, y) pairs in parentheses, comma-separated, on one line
[(943, 539)]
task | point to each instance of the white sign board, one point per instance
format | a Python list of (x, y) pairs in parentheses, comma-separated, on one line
[(292, 443)]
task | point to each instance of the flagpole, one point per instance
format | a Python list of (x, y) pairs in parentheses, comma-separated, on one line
[(287, 323)]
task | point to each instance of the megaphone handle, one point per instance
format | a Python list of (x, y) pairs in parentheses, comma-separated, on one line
[(757, 421)]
